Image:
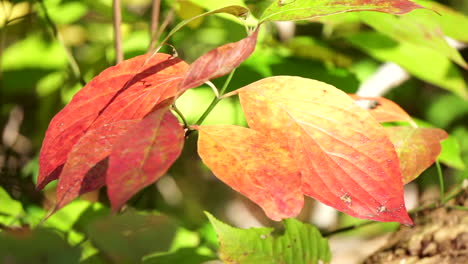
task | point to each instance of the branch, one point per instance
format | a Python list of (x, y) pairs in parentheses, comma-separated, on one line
[(154, 23), (117, 21)]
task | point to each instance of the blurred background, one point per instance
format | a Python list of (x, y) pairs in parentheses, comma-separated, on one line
[(50, 48)]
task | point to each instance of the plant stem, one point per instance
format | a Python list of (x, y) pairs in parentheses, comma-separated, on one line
[(441, 181), (71, 60), (174, 107), (117, 21), (154, 23), (216, 99)]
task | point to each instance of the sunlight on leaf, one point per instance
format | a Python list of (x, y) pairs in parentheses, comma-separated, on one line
[(281, 10), (422, 62), (421, 28), (345, 157)]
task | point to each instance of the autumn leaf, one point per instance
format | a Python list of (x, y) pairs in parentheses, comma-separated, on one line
[(253, 165), (218, 62), (123, 92), (382, 109), (87, 162), (417, 148), (281, 10), (143, 155), (344, 155)]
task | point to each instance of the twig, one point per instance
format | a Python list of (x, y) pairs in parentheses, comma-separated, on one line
[(71, 60), (117, 21), (441, 181), (154, 23)]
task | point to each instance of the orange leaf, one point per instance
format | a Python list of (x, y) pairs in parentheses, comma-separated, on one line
[(125, 91), (253, 165), (143, 155), (218, 62), (382, 109), (417, 148), (345, 157)]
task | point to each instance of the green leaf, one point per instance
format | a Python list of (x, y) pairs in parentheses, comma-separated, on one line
[(307, 47), (66, 13), (300, 244), (420, 27), (10, 209), (453, 23), (446, 109), (283, 10), (422, 62), (127, 238), (451, 153), (38, 246)]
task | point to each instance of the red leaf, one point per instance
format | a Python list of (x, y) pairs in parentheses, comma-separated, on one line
[(87, 161), (253, 165), (143, 155), (417, 148), (218, 62), (382, 109), (107, 99), (345, 157)]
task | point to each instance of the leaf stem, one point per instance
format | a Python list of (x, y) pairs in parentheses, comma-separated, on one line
[(117, 21), (216, 100), (179, 113), (441, 181), (71, 60)]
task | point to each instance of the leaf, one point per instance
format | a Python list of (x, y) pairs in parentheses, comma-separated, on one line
[(421, 28), (417, 148), (87, 162), (106, 99), (253, 165), (39, 246), (382, 109), (300, 244), (127, 238), (218, 62), (452, 22), (451, 153), (422, 62), (281, 10), (142, 155), (344, 155)]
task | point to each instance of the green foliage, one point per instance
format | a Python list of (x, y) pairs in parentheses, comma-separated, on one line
[(300, 244)]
